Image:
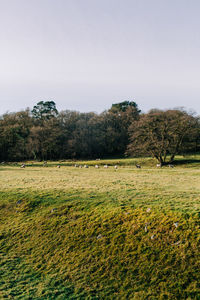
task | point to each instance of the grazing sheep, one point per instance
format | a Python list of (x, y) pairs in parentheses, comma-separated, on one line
[(106, 166), (177, 243), (23, 166), (138, 166), (58, 166), (85, 166), (76, 166), (99, 237), (158, 165), (96, 166), (116, 167), (80, 166), (176, 224)]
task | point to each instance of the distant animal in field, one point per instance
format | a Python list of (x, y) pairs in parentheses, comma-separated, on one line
[(138, 166), (98, 158), (96, 166), (99, 237), (80, 167), (171, 166), (23, 166), (86, 166), (58, 166), (76, 166), (176, 224), (106, 166), (177, 243), (116, 167), (158, 165)]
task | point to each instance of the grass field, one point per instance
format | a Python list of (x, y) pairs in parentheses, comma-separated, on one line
[(86, 233)]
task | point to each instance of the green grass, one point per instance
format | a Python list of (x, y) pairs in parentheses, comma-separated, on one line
[(180, 161), (73, 233)]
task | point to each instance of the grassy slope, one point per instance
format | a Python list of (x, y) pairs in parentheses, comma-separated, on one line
[(80, 233)]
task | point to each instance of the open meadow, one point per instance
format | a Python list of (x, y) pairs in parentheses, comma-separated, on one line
[(100, 233)]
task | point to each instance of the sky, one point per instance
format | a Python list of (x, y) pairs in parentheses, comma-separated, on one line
[(87, 54)]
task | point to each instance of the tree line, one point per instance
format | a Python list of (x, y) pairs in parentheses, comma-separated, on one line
[(43, 133)]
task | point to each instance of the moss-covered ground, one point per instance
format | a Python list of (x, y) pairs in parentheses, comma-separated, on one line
[(87, 233)]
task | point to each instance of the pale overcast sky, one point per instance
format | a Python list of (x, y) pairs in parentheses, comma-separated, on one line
[(87, 54)]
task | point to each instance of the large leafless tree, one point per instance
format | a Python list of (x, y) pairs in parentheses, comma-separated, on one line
[(163, 134)]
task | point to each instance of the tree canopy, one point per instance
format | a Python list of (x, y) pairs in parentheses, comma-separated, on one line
[(44, 110), (44, 133), (163, 134), (123, 106)]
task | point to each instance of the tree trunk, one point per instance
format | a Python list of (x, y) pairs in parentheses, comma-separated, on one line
[(172, 158)]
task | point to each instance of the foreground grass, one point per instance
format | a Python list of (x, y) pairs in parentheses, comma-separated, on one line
[(93, 233)]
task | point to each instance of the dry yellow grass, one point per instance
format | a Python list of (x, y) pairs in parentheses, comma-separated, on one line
[(178, 184)]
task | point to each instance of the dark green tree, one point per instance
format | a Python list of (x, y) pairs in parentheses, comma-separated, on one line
[(44, 110), (124, 106), (118, 119)]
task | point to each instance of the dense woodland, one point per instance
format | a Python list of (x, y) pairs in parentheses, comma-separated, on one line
[(43, 133)]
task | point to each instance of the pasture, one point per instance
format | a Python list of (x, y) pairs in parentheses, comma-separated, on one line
[(88, 233)]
